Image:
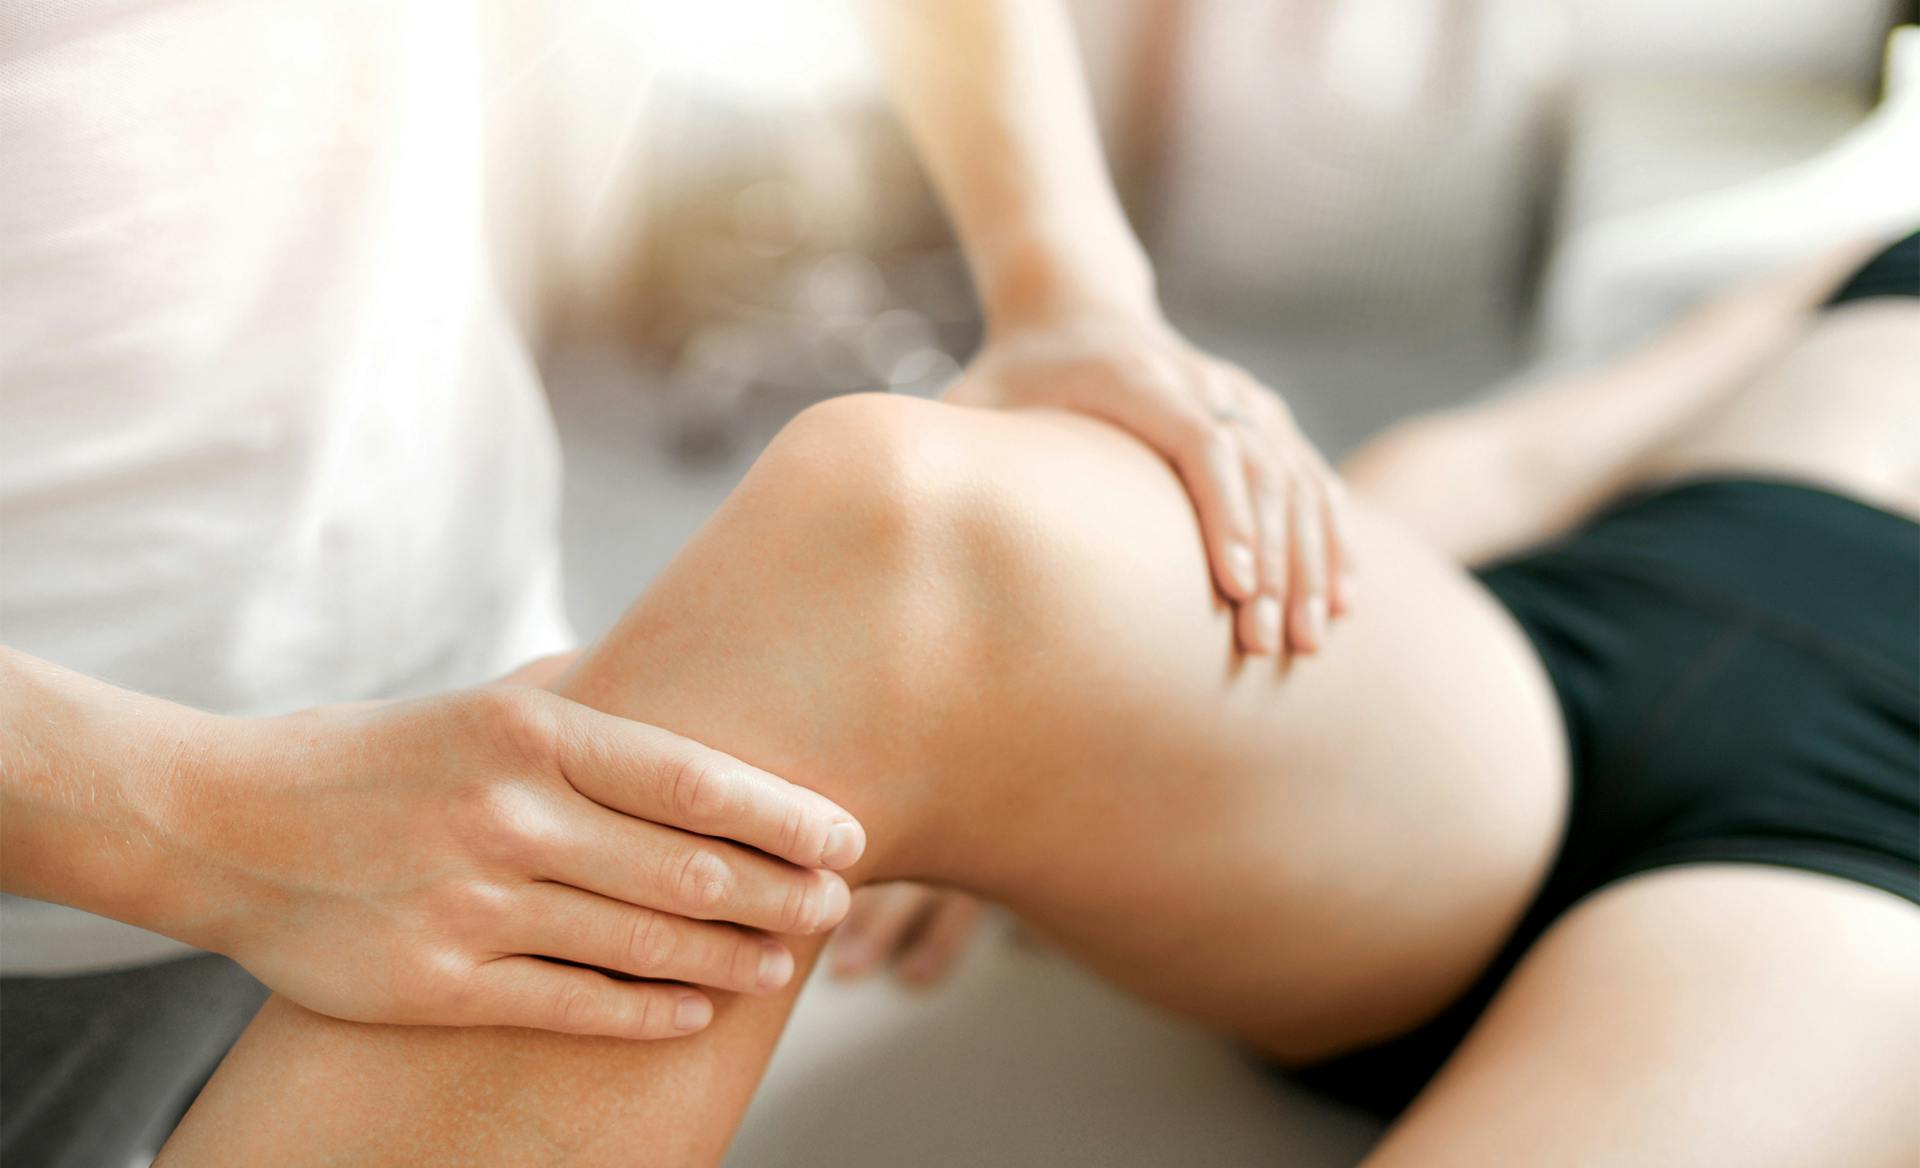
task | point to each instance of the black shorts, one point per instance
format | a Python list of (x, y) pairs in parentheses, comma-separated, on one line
[(1738, 666), (1735, 662)]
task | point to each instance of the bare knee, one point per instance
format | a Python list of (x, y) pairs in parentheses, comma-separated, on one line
[(847, 577), (858, 462), (914, 511), (875, 503), (995, 539), (985, 576)]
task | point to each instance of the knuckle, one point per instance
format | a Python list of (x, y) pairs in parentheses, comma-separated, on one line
[(799, 908), (503, 819), (455, 992), (1190, 430), (477, 907), (519, 722), (704, 883), (805, 905), (576, 1007), (435, 985), (743, 962), (648, 1015), (1266, 474), (797, 833), (652, 941), (700, 788), (1145, 372)]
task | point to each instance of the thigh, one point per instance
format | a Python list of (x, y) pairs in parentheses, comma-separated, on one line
[(95, 1068), (1703, 1015), (1310, 855), (1005, 654), (1841, 408)]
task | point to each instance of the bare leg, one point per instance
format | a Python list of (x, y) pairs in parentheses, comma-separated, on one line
[(1487, 479), (1715, 1014), (1840, 408), (1696, 1016), (992, 637)]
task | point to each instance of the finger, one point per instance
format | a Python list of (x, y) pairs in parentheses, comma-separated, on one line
[(1336, 524), (1160, 406), (1208, 459), (1307, 610), (594, 930), (650, 866), (1340, 570), (888, 915), (936, 951), (1262, 624), (1335, 507), (544, 995), (659, 776)]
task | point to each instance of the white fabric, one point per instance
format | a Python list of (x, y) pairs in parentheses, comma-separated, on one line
[(267, 437), (1614, 282)]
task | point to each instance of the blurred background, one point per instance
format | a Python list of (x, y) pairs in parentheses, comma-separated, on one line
[(708, 220)]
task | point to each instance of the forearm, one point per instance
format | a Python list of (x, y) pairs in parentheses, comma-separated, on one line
[(992, 93), (90, 776)]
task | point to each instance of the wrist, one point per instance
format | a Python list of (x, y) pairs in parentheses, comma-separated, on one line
[(93, 792), (1041, 284), (147, 868), (189, 790)]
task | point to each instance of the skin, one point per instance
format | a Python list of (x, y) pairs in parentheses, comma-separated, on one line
[(989, 635), (881, 610), (449, 844), (452, 843), (1068, 329), (918, 930), (992, 94), (1523, 468), (1703, 1015)]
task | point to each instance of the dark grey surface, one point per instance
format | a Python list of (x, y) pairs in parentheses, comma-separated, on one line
[(96, 1069)]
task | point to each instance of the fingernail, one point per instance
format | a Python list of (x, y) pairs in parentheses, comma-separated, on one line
[(1266, 623), (1240, 565), (776, 966), (692, 1013), (845, 842), (834, 904)]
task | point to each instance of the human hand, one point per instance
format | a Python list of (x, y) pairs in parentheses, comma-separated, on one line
[(1270, 509), (922, 929), (415, 862)]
